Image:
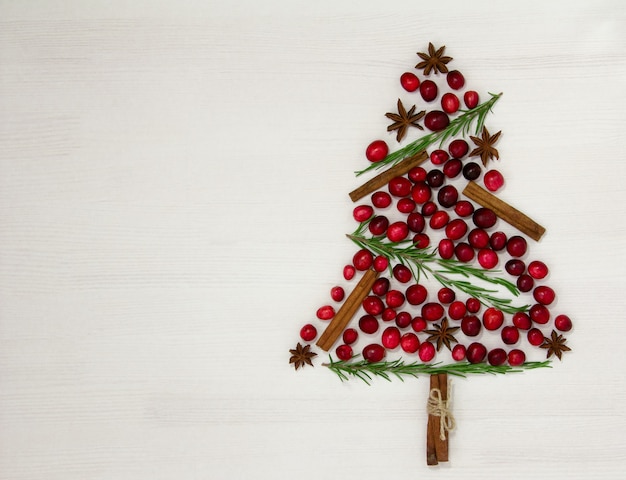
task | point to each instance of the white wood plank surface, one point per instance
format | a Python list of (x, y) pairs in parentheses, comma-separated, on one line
[(173, 199)]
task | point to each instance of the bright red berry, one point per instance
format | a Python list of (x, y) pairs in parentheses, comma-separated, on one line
[(439, 157), (456, 310), (458, 352), (471, 99), (535, 337), (487, 258), (544, 295), (394, 298), (397, 231), (337, 293), (426, 352), (522, 321), (421, 192), (439, 220), (463, 208), (493, 318), (539, 314), (362, 213), (325, 312), (516, 357), (381, 199), (391, 337), (452, 168), (409, 81), (373, 305), (376, 151), (381, 263), (478, 238), (418, 324), (493, 180), (431, 312), (405, 205), (537, 269), (308, 332), (363, 259), (344, 352), (446, 248), (388, 314), (399, 186), (450, 103), (350, 335), (409, 342), (348, 272), (563, 323), (510, 335), (472, 304)]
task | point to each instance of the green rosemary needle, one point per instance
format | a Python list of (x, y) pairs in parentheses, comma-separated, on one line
[(461, 124)]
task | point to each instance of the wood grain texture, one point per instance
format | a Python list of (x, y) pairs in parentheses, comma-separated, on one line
[(173, 204)]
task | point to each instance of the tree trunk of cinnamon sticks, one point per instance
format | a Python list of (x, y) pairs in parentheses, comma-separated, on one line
[(437, 447)]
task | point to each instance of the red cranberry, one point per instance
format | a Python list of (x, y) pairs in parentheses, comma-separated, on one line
[(516, 357), (436, 120), (446, 295), (476, 352), (362, 213), (522, 321), (397, 231), (368, 324), (487, 258), (381, 263), (471, 171), (344, 352), (394, 298), (525, 283), (439, 157), (428, 90), (308, 332), (537, 269), (373, 305), (403, 319), (455, 79), (478, 238), (452, 168), (484, 218), (431, 312), (409, 342), (418, 324), (497, 241), (416, 222), (447, 196), (539, 314), (463, 252), (381, 286), (405, 205), (326, 312), (348, 272), (435, 178), (350, 335), (378, 225), (402, 273), (470, 325), (337, 293), (381, 199), (493, 180), (516, 246), (439, 220), (496, 357), (515, 267), (450, 103), (463, 208), (426, 352), (388, 314), (563, 323), (510, 335), (399, 186), (429, 208), (458, 353), (409, 81), (421, 192), (472, 304), (446, 248), (421, 240), (471, 99), (362, 260), (456, 310), (376, 151), (458, 148), (373, 353), (544, 295), (456, 229), (391, 337), (535, 337), (418, 174), (493, 318)]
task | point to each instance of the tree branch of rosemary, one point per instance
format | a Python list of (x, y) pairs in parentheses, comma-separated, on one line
[(419, 261), (462, 124), (364, 370)]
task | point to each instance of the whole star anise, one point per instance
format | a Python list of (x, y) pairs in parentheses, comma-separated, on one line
[(555, 345), (301, 356), (433, 60), (443, 334), (484, 146), (403, 120)]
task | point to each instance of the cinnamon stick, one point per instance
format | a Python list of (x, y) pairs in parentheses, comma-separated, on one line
[(441, 446), (383, 178), (432, 428), (348, 309), (505, 211)]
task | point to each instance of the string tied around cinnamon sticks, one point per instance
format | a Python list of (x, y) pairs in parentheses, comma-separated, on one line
[(439, 407)]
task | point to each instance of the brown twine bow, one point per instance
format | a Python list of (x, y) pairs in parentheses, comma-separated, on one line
[(439, 407)]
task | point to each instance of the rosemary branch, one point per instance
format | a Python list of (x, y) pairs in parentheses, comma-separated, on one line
[(365, 370), (419, 261), (461, 123)]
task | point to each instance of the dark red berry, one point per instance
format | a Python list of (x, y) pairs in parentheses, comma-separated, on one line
[(426, 352), (409, 342), (471, 99), (388, 314), (405, 205), (403, 319), (515, 267), (436, 120), (431, 312), (539, 314), (452, 168), (446, 295), (525, 283), (458, 148), (308, 332), (325, 312), (344, 352), (497, 241), (478, 238), (416, 222), (381, 286), (418, 324), (464, 252), (476, 352), (522, 321), (510, 335), (435, 178), (399, 186), (450, 103), (368, 324), (471, 171), (409, 81), (391, 337), (394, 298), (516, 357), (473, 305), (470, 325), (455, 79), (381, 199), (373, 353), (350, 335), (535, 337), (402, 273), (496, 357), (362, 259), (428, 90), (439, 157), (447, 196), (563, 323), (378, 225), (484, 218), (544, 295), (337, 293), (429, 208), (421, 240), (376, 151), (516, 246), (537, 269)]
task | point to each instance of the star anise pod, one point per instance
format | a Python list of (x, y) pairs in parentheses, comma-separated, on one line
[(403, 120), (433, 60), (301, 356), (443, 334), (484, 146), (555, 345)]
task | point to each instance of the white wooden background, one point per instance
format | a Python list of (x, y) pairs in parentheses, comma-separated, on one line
[(173, 199)]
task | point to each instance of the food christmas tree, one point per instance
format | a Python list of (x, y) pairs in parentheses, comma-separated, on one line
[(443, 280)]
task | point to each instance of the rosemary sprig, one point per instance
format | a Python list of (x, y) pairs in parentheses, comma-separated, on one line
[(365, 370), (419, 261), (461, 123)]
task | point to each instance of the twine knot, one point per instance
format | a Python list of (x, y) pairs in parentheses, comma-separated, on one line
[(439, 407)]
